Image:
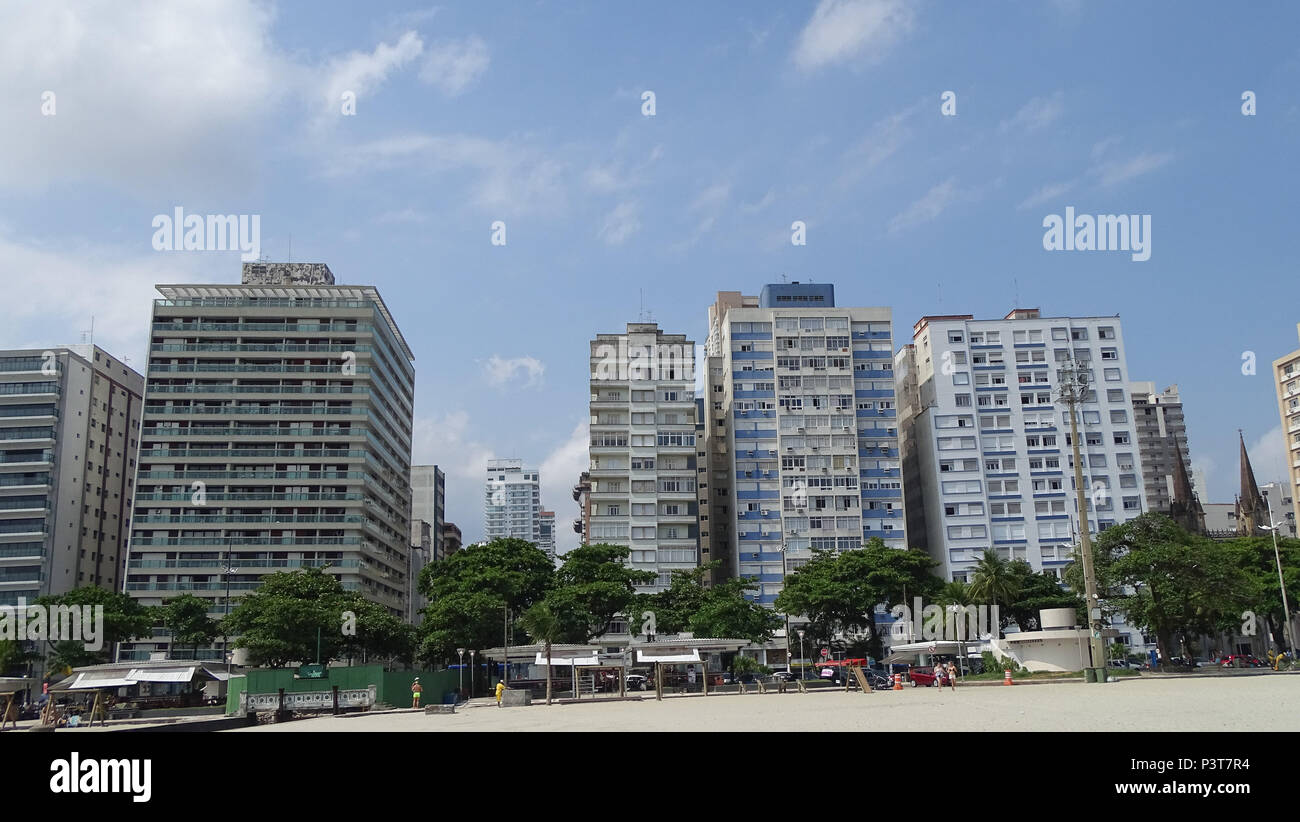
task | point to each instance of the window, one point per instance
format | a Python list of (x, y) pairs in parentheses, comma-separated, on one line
[(1111, 374), (961, 378), (1060, 334), (1114, 395), (1118, 416), (1109, 354)]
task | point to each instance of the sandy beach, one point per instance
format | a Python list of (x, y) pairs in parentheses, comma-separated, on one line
[(1254, 703)]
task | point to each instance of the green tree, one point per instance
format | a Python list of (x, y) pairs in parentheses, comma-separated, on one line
[(838, 592), (1036, 592), (996, 581), (543, 626), (14, 656), (124, 619), (373, 631), (186, 616), (469, 592), (285, 618), (1255, 556), (1180, 583), (593, 585), (718, 610)]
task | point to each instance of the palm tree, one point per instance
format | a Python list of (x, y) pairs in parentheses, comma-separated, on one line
[(542, 624), (994, 582), (956, 592)]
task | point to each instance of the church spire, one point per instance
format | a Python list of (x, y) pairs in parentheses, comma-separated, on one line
[(1251, 510)]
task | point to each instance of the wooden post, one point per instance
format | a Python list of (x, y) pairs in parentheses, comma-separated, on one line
[(705, 666), (335, 689), (659, 681), (10, 712)]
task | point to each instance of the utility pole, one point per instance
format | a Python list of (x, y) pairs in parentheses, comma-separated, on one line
[(1286, 609), (505, 642), (1071, 392)]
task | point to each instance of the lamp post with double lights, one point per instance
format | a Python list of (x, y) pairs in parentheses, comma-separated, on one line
[(471, 673), (788, 653), (460, 652), (1272, 527), (1072, 390), (225, 637), (803, 672)]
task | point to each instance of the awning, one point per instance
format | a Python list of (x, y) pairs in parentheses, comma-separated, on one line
[(152, 675), (692, 656), (87, 682), (562, 661)]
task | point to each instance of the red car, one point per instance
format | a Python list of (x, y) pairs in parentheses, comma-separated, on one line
[(1242, 661), (926, 677)]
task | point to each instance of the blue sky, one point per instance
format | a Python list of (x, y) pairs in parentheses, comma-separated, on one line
[(826, 112)]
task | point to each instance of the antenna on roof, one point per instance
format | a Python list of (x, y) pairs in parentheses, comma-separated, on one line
[(90, 333), (1015, 285), (938, 288), (290, 247)]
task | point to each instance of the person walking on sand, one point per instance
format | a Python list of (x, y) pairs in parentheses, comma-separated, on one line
[(952, 675), (501, 688), (416, 690)]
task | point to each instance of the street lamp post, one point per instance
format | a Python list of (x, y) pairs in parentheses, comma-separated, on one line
[(460, 652), (958, 633), (471, 673), (1286, 610), (803, 673), (788, 654), (225, 638), (1071, 391)]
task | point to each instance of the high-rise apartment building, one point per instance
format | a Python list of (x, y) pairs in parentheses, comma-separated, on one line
[(277, 436), (1286, 375), (1161, 433), (643, 469), (451, 538), (429, 503), (993, 446), (802, 411), (69, 429), (512, 502), (546, 532)]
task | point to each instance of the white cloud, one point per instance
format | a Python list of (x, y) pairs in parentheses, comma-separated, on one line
[(1038, 113), (886, 137), (1268, 456), (766, 200), (1115, 172), (841, 30), (1048, 192), (930, 206), (405, 215), (361, 72), (453, 65), (145, 93), (446, 441), (499, 370), (621, 223), (559, 472), (508, 178), (116, 288), (709, 203)]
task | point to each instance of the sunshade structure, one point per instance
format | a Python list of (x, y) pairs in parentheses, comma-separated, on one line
[(125, 674)]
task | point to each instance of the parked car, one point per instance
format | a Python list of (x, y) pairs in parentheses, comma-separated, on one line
[(926, 677), (785, 676), (636, 682), (1124, 663)]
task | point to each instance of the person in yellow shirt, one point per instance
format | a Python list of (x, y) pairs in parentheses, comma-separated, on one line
[(501, 688)]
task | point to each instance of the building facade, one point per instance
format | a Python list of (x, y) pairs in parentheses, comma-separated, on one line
[(643, 463), (451, 538), (69, 438), (803, 411), (1286, 376), (1161, 432), (429, 504), (546, 532), (993, 447), (512, 502), (276, 436)]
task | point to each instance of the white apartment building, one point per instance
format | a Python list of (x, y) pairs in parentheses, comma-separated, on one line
[(512, 502), (803, 412), (69, 430), (993, 446), (643, 469), (1161, 431), (1286, 375)]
